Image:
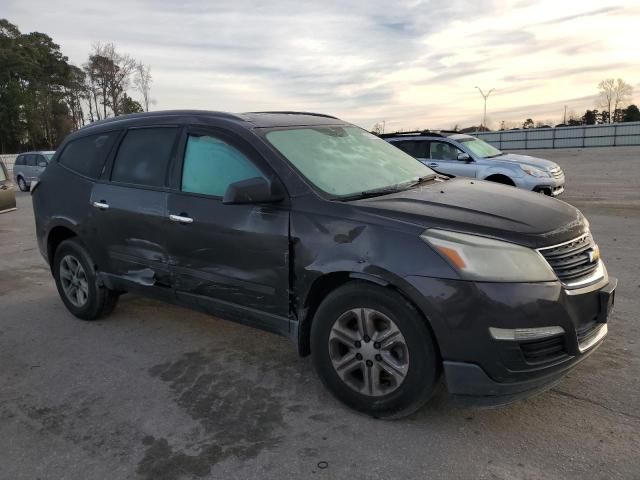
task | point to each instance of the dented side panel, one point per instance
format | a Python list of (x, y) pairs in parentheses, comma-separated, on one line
[(347, 240), (236, 254), (131, 233)]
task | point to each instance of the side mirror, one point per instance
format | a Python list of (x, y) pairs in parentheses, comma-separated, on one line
[(253, 190), (43, 164), (464, 157)]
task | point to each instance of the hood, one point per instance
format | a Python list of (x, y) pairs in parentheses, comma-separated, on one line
[(526, 159), (484, 208)]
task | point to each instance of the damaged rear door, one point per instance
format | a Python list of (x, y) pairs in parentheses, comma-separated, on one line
[(231, 260), (129, 207)]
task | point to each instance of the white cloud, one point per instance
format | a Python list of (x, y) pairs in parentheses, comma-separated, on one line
[(411, 63)]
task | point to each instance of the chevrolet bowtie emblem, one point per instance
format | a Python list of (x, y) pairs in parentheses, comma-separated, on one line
[(594, 254)]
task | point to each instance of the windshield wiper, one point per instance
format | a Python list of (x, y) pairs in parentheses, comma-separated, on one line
[(377, 192), (425, 179)]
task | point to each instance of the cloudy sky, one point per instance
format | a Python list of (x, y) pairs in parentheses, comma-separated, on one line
[(410, 63)]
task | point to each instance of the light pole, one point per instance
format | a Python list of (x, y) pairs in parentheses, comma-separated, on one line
[(485, 96)]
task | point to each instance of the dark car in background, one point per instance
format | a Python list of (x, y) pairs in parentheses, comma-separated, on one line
[(7, 192), (312, 228), (29, 166)]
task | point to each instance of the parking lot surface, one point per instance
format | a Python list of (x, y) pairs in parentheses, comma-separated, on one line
[(160, 392)]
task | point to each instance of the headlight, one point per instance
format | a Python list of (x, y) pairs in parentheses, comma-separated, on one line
[(480, 258), (535, 172)]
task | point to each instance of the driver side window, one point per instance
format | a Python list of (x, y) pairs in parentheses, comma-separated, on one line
[(443, 151), (211, 165)]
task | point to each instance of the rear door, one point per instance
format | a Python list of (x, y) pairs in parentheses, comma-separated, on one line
[(443, 158), (416, 148), (30, 168), (7, 193), (231, 260), (129, 206), (18, 167)]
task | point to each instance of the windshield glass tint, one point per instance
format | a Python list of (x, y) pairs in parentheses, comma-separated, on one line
[(346, 160), (480, 147)]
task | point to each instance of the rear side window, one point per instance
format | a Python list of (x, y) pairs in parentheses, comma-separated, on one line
[(144, 155), (32, 160), (413, 148), (87, 155), (211, 165), (444, 151), (20, 160)]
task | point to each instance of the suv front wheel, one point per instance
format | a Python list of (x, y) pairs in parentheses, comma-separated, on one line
[(373, 351), (78, 283), (22, 185)]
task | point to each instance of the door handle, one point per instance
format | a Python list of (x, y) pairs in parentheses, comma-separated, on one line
[(432, 164), (180, 219), (102, 205)]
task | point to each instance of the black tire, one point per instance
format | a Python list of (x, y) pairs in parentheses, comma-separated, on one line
[(501, 179), (424, 364), (100, 300), (22, 185)]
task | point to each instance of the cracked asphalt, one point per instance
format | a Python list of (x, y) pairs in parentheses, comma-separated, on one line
[(160, 392)]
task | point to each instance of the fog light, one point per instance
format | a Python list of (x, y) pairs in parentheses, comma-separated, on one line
[(524, 334)]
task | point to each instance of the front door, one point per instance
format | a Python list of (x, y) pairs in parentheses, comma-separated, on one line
[(232, 260), (443, 158)]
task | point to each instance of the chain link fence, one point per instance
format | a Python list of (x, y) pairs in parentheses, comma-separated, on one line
[(609, 135), (8, 160)]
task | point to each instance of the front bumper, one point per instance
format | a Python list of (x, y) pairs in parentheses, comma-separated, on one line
[(481, 370)]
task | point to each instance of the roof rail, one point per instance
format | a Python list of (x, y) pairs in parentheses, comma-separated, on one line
[(416, 133), (287, 112)]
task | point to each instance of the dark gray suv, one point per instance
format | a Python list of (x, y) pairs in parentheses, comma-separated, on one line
[(312, 228)]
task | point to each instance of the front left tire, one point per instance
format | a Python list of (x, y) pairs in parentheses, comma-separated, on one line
[(373, 350)]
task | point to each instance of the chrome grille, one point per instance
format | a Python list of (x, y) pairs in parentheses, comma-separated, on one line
[(573, 260), (556, 172), (591, 334)]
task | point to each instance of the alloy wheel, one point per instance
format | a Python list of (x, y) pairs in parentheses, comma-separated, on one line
[(74, 281), (368, 352)]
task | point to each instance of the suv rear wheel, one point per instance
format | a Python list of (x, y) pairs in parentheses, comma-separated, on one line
[(78, 283), (373, 351)]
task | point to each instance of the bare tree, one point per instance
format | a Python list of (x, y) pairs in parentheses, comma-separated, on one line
[(377, 129), (109, 74), (142, 81), (614, 94), (120, 67)]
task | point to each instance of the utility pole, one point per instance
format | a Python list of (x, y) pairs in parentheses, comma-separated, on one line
[(485, 96), (565, 115)]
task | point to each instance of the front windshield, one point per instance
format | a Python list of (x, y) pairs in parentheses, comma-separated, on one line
[(48, 156), (344, 161), (480, 148)]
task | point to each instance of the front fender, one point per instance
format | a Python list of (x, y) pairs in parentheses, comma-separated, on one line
[(512, 173)]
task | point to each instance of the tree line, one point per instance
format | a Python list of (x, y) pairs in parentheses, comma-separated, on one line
[(614, 97), (43, 97)]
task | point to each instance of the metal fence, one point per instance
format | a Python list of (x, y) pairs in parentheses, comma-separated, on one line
[(8, 160), (610, 135)]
